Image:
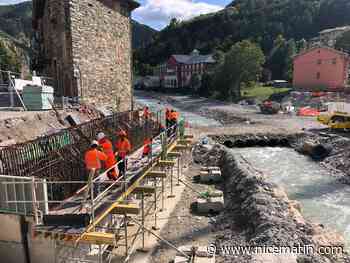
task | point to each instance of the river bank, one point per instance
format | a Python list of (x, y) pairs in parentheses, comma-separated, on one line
[(268, 216)]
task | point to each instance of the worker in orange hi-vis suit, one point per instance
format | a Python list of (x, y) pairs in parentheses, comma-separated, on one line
[(123, 147), (93, 158), (167, 117), (107, 147), (147, 147), (146, 113)]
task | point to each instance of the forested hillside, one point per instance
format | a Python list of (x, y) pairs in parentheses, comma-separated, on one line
[(261, 21)]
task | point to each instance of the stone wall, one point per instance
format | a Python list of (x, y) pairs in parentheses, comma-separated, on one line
[(53, 44), (101, 40), (85, 46)]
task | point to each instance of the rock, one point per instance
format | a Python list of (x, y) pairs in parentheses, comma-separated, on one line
[(274, 258)]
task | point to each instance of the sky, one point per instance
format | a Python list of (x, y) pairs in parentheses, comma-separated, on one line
[(158, 13)]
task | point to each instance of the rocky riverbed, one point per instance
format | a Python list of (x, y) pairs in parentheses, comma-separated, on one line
[(264, 211)]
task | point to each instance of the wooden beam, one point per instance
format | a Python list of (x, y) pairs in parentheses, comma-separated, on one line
[(157, 174), (181, 147), (144, 189), (129, 209), (99, 238), (185, 141), (166, 163)]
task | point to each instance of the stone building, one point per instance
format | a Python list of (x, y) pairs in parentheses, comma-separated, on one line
[(85, 47)]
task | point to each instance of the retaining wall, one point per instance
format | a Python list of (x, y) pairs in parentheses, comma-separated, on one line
[(263, 209)]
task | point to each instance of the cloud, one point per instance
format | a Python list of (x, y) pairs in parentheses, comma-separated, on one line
[(10, 2), (159, 12)]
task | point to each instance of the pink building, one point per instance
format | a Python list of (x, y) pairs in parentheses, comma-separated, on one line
[(321, 68)]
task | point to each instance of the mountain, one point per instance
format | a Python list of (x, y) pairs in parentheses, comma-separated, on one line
[(142, 34), (16, 25), (261, 21)]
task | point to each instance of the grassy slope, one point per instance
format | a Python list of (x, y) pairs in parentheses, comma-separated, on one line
[(261, 93)]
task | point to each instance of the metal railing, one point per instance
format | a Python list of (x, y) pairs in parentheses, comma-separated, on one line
[(47, 201)]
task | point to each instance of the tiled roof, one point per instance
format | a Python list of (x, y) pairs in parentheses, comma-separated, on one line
[(194, 59)]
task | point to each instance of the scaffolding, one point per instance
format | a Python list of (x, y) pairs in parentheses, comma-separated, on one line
[(100, 211)]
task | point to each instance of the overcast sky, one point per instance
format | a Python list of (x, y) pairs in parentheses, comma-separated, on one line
[(157, 13)]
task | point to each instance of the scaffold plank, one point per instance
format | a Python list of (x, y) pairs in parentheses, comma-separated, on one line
[(174, 154), (181, 147), (129, 209), (144, 189), (167, 163), (156, 174)]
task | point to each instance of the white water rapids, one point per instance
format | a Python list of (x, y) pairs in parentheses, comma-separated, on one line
[(323, 198)]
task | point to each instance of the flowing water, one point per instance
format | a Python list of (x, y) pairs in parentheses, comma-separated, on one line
[(324, 199), (194, 119)]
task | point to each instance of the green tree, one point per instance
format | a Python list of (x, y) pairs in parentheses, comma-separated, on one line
[(243, 63), (291, 49), (9, 59), (343, 42), (195, 83)]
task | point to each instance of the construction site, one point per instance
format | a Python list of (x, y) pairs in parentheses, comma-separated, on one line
[(92, 170)]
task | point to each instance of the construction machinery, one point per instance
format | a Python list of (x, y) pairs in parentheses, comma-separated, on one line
[(270, 107), (337, 116), (335, 120)]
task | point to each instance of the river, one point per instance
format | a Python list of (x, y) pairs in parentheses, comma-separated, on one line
[(323, 198)]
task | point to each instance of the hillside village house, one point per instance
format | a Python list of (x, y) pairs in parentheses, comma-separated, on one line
[(328, 37), (85, 47), (321, 68), (177, 72)]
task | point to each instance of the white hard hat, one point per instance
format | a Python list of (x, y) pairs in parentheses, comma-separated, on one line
[(100, 136), (94, 143)]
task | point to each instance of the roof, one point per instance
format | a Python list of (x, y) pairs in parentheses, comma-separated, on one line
[(328, 30), (194, 59), (322, 47), (39, 6), (132, 4)]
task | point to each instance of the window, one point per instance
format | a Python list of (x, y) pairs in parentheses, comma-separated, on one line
[(319, 61), (334, 61), (318, 76)]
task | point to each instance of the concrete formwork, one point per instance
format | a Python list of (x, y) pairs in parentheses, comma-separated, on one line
[(13, 248)]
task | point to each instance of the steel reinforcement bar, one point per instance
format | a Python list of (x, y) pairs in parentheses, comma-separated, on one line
[(60, 156)]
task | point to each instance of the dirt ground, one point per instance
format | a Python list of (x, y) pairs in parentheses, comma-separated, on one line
[(18, 127)]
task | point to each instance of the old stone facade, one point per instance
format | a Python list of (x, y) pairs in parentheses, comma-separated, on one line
[(85, 47)]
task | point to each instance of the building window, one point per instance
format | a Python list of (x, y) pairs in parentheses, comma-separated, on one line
[(318, 75), (334, 61), (319, 61)]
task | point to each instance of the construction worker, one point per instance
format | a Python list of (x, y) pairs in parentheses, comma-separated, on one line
[(161, 128), (174, 115), (146, 113), (167, 117), (107, 147), (147, 147), (93, 158), (123, 148)]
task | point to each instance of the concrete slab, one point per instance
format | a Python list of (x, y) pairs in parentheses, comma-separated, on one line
[(274, 258), (212, 205), (201, 255)]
